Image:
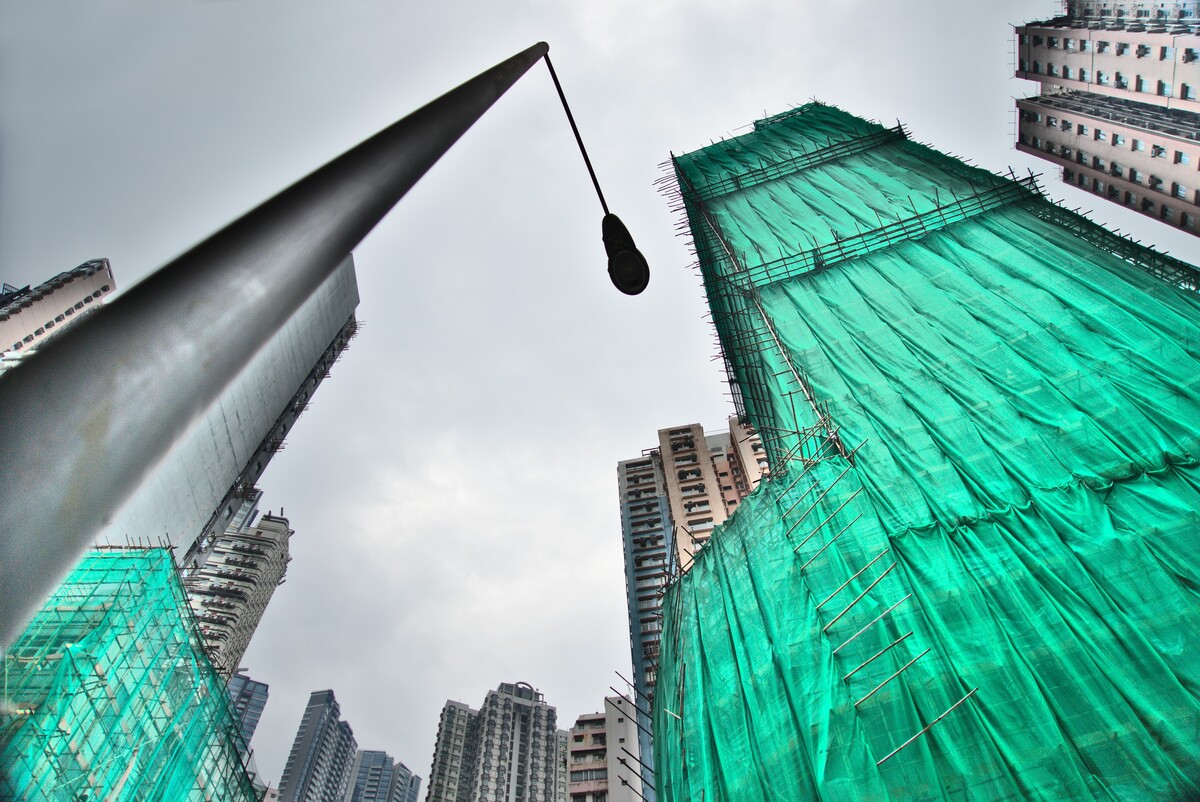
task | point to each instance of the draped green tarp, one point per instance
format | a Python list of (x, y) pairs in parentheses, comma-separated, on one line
[(1003, 581), (109, 695)]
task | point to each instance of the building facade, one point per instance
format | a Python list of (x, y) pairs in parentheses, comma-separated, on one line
[(968, 575), (1119, 103), (376, 777), (249, 699), (672, 497), (238, 573), (603, 763), (30, 315), (510, 750), (194, 493), (108, 694), (318, 767)]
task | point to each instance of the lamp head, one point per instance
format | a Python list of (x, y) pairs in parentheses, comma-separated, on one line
[(628, 269)]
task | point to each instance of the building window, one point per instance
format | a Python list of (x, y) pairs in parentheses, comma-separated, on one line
[(1143, 51), (1186, 220), (1083, 130), (1122, 48), (1101, 136), (1187, 91), (1138, 145), (1179, 191), (1067, 125), (1101, 46), (1135, 176), (1181, 157), (1084, 75), (1085, 46), (1052, 70), (1098, 163), (1166, 52), (1116, 170), (1102, 78), (1156, 183), (1067, 72), (1158, 152), (1118, 139), (1164, 89), (1038, 41), (1139, 84), (1130, 198), (1120, 81), (1167, 213), (1037, 68), (1147, 205), (1052, 41)]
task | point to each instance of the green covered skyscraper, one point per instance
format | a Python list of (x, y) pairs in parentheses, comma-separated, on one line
[(975, 570), (109, 695)]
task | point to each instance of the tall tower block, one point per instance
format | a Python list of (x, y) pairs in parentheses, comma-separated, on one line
[(972, 572)]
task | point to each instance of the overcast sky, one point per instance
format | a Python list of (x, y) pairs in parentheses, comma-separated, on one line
[(453, 487)]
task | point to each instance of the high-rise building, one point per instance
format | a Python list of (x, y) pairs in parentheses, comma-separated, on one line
[(238, 573), (191, 497), (30, 315), (672, 497), (376, 777), (970, 574), (1119, 102), (453, 754), (318, 767), (604, 765), (510, 750), (249, 699), (108, 693)]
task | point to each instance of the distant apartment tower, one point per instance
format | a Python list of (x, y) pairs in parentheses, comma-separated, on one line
[(249, 699), (230, 589), (376, 777), (604, 763), (1119, 106), (190, 499), (318, 767), (671, 499), (510, 750), (30, 315)]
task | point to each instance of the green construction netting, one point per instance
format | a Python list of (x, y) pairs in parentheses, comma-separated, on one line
[(998, 596), (108, 694)]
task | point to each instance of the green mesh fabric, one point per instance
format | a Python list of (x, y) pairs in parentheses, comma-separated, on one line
[(997, 595), (108, 694)]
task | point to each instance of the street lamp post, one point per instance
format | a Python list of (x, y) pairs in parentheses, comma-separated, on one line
[(87, 419)]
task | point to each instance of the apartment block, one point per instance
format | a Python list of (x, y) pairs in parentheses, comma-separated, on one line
[(318, 767), (603, 762), (31, 315), (672, 497), (510, 750), (230, 590), (1119, 103)]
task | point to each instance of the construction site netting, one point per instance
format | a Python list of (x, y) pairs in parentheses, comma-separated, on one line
[(108, 694), (974, 572)]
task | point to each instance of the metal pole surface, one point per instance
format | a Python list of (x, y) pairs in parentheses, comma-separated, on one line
[(85, 419)]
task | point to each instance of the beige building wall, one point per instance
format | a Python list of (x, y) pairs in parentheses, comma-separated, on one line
[(1154, 172), (1119, 103), (603, 760), (32, 316), (706, 476)]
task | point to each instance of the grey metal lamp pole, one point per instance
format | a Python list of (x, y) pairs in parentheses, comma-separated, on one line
[(77, 441)]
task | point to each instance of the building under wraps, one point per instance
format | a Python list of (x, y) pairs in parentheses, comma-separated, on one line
[(108, 694), (973, 572)]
